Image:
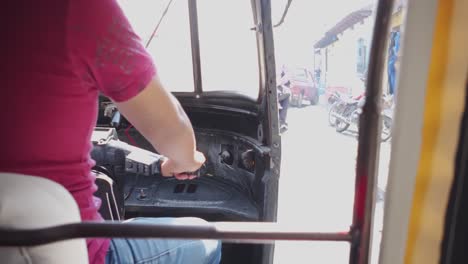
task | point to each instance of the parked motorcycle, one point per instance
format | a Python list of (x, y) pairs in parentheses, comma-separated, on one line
[(345, 111), (387, 121), (335, 96)]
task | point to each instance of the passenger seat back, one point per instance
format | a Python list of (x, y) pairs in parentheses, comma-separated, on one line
[(28, 202)]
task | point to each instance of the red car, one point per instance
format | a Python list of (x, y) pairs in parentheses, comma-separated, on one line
[(303, 87)]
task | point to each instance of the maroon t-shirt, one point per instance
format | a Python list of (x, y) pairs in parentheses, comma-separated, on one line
[(57, 55)]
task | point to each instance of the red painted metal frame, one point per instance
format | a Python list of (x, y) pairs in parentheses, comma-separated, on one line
[(369, 139)]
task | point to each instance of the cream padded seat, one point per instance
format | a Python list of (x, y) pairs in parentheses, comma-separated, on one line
[(28, 202)]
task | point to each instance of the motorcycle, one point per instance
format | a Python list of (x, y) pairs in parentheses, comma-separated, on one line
[(345, 111), (335, 96), (387, 119)]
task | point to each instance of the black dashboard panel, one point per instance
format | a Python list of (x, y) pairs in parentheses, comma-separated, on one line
[(225, 154), (226, 188), (218, 120)]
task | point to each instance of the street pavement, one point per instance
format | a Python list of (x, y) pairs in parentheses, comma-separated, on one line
[(317, 186)]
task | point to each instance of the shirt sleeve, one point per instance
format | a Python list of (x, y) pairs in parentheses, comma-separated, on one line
[(115, 60)]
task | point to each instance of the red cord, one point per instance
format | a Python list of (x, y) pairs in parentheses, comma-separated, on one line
[(130, 138)]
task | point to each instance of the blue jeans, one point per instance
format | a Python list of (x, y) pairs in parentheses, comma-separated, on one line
[(162, 251)]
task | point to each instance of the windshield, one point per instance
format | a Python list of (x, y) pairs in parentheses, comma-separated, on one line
[(170, 47), (228, 47)]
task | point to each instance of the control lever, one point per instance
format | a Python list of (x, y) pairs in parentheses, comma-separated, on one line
[(135, 160), (140, 159), (108, 148)]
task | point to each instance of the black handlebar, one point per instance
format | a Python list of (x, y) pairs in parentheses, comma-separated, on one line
[(109, 150)]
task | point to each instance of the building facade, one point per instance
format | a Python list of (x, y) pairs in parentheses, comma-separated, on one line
[(342, 54)]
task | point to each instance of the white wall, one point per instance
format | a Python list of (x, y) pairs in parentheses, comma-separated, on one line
[(342, 57)]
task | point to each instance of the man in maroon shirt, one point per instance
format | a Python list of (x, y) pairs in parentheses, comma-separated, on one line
[(57, 56)]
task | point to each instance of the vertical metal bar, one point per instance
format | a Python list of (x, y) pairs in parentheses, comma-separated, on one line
[(270, 122), (195, 40), (268, 67), (369, 139)]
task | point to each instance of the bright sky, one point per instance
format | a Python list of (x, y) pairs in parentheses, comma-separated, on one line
[(228, 48), (306, 22)]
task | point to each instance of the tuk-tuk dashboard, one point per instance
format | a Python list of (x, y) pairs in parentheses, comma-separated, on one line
[(223, 190), (235, 184), (229, 183)]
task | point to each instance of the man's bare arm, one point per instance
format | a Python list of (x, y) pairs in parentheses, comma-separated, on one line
[(159, 117)]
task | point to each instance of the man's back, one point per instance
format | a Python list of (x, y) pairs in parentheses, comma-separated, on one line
[(57, 55), (49, 108)]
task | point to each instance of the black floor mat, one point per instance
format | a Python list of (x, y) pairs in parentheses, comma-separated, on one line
[(206, 195)]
